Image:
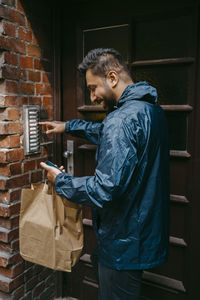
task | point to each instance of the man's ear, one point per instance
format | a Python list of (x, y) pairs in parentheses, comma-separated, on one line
[(112, 78)]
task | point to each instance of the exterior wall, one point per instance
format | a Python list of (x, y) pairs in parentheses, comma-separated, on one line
[(25, 79)]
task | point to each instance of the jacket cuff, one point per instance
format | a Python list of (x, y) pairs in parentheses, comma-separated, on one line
[(67, 126), (57, 180)]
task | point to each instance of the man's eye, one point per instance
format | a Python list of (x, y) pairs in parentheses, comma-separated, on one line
[(92, 89)]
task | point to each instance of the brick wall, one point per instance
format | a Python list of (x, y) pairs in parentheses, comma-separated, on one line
[(25, 79)]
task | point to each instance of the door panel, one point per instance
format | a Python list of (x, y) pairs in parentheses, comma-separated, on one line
[(159, 44)]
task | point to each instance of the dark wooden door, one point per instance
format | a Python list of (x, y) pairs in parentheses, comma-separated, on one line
[(160, 44)]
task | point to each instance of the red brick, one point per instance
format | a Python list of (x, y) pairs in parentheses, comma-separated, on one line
[(8, 197), (10, 248), (13, 73), (50, 279), (16, 282), (26, 62), (10, 114), (16, 169), (16, 154), (38, 161), (19, 6), (13, 114), (15, 208), (28, 274), (18, 293), (15, 244), (17, 181), (34, 50), (9, 223), (9, 43), (38, 289), (37, 64), (6, 223), (3, 156), (9, 86), (35, 40), (11, 155), (3, 183), (6, 248), (8, 2), (29, 165), (35, 100), (12, 15), (5, 284), (34, 76), (27, 88), (44, 274), (37, 269), (4, 210), (28, 264), (11, 58), (9, 141), (10, 128), (6, 236), (48, 293), (12, 271), (46, 77), (47, 101), (4, 170), (49, 112), (43, 89), (31, 283), (25, 34), (6, 101), (36, 176), (9, 29)]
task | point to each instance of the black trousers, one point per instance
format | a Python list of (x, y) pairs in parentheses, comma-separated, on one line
[(119, 285)]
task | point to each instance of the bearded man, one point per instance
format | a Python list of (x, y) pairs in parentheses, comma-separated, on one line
[(129, 191)]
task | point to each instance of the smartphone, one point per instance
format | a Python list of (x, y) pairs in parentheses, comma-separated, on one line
[(51, 164)]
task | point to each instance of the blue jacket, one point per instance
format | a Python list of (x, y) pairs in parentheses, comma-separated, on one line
[(129, 191)]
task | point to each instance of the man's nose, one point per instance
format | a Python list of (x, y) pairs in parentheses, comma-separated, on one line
[(93, 97)]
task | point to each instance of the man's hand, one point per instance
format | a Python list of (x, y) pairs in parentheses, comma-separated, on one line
[(54, 126), (51, 171)]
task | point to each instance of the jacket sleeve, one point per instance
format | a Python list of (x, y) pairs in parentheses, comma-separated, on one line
[(84, 129), (116, 164)]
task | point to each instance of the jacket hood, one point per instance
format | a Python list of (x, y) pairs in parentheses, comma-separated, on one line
[(139, 91)]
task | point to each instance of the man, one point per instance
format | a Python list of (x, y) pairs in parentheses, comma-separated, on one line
[(129, 192)]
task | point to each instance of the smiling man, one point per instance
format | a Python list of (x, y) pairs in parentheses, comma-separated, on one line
[(129, 191)]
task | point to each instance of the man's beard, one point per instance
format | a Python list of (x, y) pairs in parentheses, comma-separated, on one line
[(109, 105), (109, 101)]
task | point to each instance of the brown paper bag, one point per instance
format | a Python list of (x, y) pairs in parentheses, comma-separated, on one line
[(50, 229)]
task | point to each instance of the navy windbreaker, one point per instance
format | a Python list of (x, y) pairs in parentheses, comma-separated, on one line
[(129, 192)]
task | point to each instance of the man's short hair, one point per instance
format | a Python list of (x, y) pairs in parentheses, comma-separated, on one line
[(103, 60)]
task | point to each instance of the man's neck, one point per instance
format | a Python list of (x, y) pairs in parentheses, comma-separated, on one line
[(120, 89)]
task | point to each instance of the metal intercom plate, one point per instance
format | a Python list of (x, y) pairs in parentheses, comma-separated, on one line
[(31, 129)]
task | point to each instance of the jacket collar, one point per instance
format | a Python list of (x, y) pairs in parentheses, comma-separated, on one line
[(138, 91)]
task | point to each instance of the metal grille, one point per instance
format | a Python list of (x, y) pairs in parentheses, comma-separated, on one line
[(31, 129)]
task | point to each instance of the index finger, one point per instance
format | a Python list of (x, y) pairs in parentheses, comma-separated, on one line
[(45, 123), (45, 166)]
